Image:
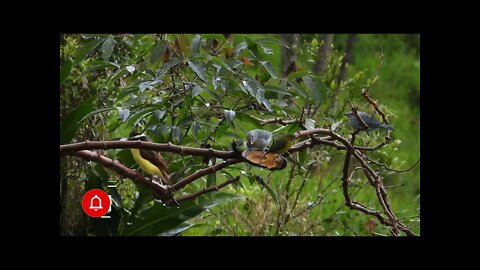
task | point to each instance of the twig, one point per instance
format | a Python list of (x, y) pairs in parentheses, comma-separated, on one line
[(378, 69), (355, 113), (276, 120), (206, 190), (212, 169), (375, 105), (390, 169)]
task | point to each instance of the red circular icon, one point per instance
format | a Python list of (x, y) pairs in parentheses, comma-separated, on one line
[(96, 203)]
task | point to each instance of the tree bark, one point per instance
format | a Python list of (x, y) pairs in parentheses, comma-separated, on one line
[(346, 59), (288, 54), (324, 51)]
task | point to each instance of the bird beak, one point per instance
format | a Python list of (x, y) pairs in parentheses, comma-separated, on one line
[(346, 114)]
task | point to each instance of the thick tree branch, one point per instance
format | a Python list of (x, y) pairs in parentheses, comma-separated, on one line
[(124, 171), (162, 147), (206, 190)]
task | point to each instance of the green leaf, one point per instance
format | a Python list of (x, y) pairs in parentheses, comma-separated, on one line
[(270, 69), (302, 156), (196, 91), (269, 189), (276, 89), (183, 42), (177, 134), (171, 63), (196, 44), (248, 119), (240, 47), (159, 219), (159, 114), (315, 92), (135, 118), (195, 127), (298, 74), (69, 125), (221, 63), (157, 51), (265, 48), (229, 115), (221, 130), (86, 49), (211, 180), (65, 70), (199, 69), (309, 123), (176, 231), (271, 41), (299, 89), (107, 48), (95, 112)]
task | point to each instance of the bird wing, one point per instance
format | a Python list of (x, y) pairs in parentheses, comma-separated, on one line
[(156, 159)]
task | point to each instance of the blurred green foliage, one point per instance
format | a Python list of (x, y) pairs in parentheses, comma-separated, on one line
[(182, 88)]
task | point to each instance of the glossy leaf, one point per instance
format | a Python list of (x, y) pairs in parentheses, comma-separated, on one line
[(199, 69), (298, 74), (123, 114), (229, 115), (271, 41), (107, 48), (196, 91), (270, 69), (171, 63), (159, 114), (315, 92), (240, 47), (309, 123), (195, 45)]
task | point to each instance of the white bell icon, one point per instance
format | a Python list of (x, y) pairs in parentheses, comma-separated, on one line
[(96, 206)]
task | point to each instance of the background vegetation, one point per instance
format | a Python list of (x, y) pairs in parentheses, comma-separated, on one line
[(177, 88)]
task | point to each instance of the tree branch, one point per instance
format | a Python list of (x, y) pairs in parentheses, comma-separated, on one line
[(212, 169), (206, 190), (163, 147), (276, 120)]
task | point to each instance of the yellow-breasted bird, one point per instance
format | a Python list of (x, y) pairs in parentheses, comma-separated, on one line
[(281, 144), (150, 161)]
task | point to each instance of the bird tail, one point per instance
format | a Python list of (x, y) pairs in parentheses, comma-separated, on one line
[(385, 126)]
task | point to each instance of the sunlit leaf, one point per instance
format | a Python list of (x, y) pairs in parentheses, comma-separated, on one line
[(270, 69), (229, 115), (123, 114), (309, 123), (196, 91), (159, 114), (130, 69), (240, 47), (211, 180)]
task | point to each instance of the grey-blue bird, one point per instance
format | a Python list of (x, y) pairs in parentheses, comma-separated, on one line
[(258, 139), (372, 122)]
